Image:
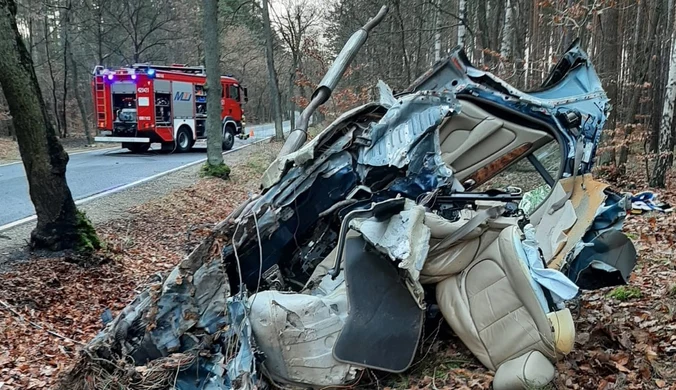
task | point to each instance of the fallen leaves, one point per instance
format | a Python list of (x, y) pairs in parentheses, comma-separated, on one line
[(68, 300), (620, 343)]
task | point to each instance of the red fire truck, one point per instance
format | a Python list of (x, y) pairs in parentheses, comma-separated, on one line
[(145, 104)]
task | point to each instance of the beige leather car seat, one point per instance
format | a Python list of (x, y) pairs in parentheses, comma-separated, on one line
[(474, 138), (492, 307)]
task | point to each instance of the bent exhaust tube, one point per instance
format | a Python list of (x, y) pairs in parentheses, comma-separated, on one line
[(298, 136)]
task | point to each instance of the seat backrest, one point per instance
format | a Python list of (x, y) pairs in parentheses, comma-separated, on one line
[(493, 308), (474, 138)]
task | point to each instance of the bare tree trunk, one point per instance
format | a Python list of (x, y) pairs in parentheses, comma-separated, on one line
[(402, 42), (213, 87), (461, 26), (640, 70), (274, 83), (80, 103), (292, 79), (437, 32), (58, 226), (665, 157), (55, 102), (507, 32), (611, 68), (65, 26)]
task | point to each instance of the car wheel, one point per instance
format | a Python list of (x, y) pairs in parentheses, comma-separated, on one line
[(184, 140), (228, 138)]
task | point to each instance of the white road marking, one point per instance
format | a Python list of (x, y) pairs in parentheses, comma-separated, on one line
[(127, 186), (69, 154)]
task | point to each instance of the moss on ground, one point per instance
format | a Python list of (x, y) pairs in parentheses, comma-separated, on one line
[(624, 293), (87, 239), (221, 171)]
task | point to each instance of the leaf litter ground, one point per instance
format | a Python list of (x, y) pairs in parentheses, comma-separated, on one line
[(626, 339)]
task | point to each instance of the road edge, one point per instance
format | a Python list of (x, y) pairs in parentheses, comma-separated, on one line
[(121, 188)]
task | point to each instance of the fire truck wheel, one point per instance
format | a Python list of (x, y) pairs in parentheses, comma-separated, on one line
[(228, 138), (184, 141), (136, 148)]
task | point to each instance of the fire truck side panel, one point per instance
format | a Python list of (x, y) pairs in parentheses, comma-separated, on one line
[(146, 104), (184, 122), (183, 106), (162, 86)]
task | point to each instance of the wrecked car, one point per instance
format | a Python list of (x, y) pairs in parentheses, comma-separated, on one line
[(385, 217)]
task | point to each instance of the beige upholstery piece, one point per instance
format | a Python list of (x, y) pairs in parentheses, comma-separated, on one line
[(491, 305), (452, 261), (296, 332), (528, 371), (473, 138)]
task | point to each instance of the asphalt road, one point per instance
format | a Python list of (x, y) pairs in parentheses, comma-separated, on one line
[(99, 171)]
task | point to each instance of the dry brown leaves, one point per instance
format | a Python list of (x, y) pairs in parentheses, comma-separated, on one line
[(68, 299), (620, 344), (9, 150)]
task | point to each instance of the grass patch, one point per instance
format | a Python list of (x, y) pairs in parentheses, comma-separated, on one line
[(260, 159), (221, 171), (631, 236), (87, 239), (257, 166), (672, 290), (624, 293)]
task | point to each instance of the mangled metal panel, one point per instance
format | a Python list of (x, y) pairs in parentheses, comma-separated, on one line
[(572, 101)]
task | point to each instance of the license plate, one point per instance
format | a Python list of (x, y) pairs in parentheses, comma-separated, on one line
[(106, 132)]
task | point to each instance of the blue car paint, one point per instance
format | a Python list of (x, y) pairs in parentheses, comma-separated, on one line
[(577, 89)]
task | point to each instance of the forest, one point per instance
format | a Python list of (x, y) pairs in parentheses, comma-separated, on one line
[(629, 42)]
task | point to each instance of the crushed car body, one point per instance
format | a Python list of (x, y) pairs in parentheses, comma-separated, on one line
[(378, 220)]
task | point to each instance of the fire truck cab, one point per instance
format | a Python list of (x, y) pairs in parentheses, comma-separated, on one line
[(145, 104)]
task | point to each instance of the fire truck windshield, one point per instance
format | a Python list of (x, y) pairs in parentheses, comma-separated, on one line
[(234, 92)]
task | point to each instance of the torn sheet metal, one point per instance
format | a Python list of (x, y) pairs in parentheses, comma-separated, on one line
[(395, 137), (572, 100), (586, 201), (404, 237), (281, 165), (185, 303), (296, 332), (557, 283), (552, 224)]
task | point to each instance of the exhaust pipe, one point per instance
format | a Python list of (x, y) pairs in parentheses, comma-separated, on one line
[(298, 136)]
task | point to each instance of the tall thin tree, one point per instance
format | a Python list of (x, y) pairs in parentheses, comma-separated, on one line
[(213, 87), (274, 83), (665, 157), (58, 225)]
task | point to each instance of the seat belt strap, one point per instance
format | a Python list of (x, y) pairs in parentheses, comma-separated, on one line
[(476, 221)]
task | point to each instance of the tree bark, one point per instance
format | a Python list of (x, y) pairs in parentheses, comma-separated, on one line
[(507, 33), (43, 156), (665, 157), (274, 83), (610, 66), (55, 102), (213, 87), (640, 70), (461, 24), (80, 103), (292, 79), (65, 27)]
